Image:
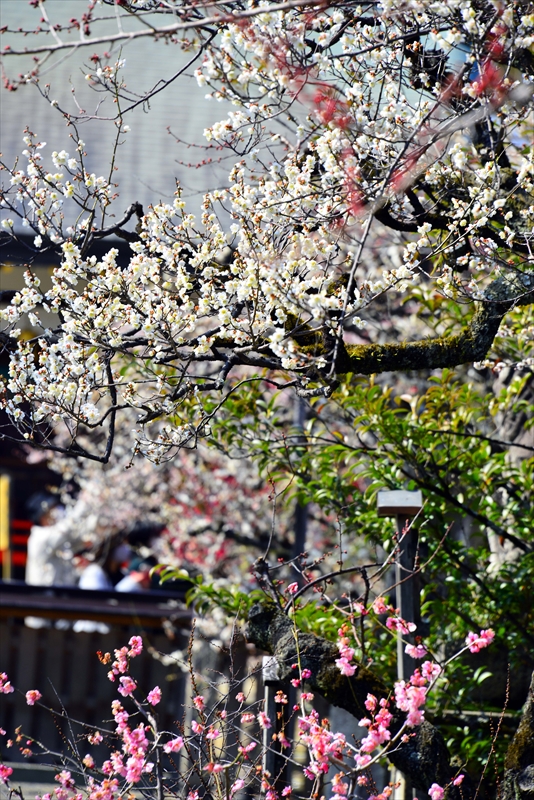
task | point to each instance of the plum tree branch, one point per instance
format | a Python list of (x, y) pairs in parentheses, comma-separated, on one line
[(447, 351), (166, 30)]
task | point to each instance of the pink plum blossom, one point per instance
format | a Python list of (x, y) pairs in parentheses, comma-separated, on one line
[(236, 786), (136, 646), (371, 702), (5, 772), (430, 670), (416, 651), (345, 667), (264, 720), (64, 778), (246, 748), (436, 792), (384, 794), (339, 787), (322, 743), (284, 741), (477, 642), (306, 673), (103, 791), (198, 702), (5, 687), (292, 588), (127, 687), (410, 698), (458, 780), (154, 696), (117, 763), (400, 625), (174, 745), (212, 767), (135, 766), (380, 607), (33, 696)]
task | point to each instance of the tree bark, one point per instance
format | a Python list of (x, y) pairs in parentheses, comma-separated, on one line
[(472, 344), (518, 781)]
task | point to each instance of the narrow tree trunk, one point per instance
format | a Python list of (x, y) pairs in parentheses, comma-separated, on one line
[(518, 781)]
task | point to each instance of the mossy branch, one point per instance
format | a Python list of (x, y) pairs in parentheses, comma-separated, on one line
[(470, 345)]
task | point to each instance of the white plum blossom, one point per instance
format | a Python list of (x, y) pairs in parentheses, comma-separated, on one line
[(360, 170)]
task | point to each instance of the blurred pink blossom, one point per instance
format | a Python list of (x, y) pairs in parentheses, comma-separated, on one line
[(5, 772), (174, 745), (154, 696), (33, 696), (436, 792)]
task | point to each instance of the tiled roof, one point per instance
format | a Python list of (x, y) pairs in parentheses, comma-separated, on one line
[(148, 160)]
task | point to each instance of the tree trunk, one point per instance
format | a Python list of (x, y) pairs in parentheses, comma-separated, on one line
[(518, 781)]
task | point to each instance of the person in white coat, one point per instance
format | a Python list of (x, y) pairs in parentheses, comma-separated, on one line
[(50, 544)]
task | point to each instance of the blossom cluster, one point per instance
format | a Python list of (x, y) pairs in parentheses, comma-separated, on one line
[(5, 684), (476, 642), (322, 743), (135, 755), (410, 695), (373, 133)]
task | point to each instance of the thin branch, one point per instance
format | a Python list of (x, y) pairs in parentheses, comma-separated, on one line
[(169, 30)]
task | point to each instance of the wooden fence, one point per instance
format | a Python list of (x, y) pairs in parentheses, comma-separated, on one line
[(64, 665)]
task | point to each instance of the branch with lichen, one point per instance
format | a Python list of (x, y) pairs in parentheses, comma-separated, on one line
[(470, 345)]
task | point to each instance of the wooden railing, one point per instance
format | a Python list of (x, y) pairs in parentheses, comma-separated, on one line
[(149, 609)]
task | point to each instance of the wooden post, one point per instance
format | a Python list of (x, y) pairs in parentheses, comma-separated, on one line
[(5, 543), (301, 510), (404, 505), (407, 591), (273, 761)]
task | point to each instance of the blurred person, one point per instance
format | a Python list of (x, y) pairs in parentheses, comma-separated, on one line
[(50, 544), (138, 577), (101, 570), (143, 538)]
